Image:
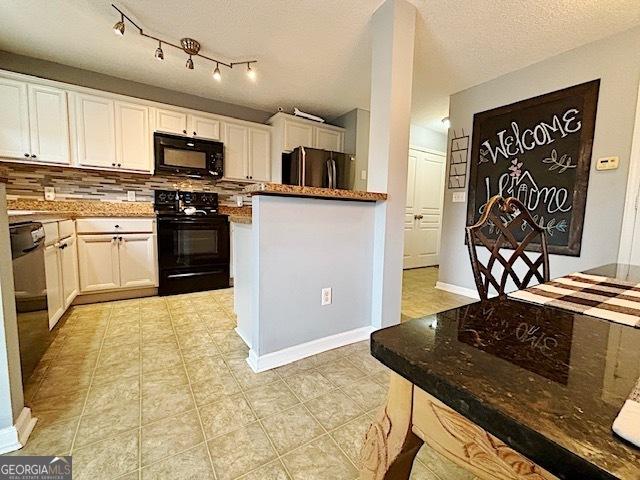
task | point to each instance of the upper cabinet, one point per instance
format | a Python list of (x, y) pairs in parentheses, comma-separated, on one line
[(297, 134), (133, 137), (49, 124), (247, 153), (95, 130), (14, 121), (171, 121), (204, 127), (260, 154), (326, 139)]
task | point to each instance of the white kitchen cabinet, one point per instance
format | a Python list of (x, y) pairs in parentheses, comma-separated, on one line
[(14, 121), (326, 139), (49, 124), (95, 130), (69, 266), (137, 259), (259, 155), (171, 121), (133, 137), (203, 127), (99, 264), (53, 274), (236, 154), (297, 134)]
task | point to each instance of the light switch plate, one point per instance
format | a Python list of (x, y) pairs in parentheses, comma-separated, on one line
[(459, 197), (49, 193), (131, 195), (607, 163)]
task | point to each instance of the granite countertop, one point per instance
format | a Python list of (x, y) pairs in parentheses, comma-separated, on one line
[(79, 208), (547, 382), (236, 214), (313, 192)]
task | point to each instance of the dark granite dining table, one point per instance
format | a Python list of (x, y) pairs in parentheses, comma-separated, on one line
[(547, 382)]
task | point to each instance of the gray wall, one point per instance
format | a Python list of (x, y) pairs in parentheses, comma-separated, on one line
[(427, 138), (356, 140), (616, 61), (99, 81)]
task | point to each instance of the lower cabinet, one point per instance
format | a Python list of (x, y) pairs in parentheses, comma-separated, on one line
[(115, 261), (61, 268)]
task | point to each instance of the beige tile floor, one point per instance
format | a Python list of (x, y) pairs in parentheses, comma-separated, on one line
[(159, 388)]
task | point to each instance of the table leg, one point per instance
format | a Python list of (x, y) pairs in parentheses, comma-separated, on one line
[(390, 446)]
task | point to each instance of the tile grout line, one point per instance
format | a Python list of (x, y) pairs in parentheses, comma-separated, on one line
[(140, 345)]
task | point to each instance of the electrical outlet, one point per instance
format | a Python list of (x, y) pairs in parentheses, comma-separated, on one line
[(326, 296), (363, 174), (49, 193), (131, 195), (458, 197)]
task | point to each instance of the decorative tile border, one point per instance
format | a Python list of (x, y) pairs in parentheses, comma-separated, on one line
[(28, 181)]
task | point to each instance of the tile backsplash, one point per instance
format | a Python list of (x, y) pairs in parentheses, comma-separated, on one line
[(28, 181)]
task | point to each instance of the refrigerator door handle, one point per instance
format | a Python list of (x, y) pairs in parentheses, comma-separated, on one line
[(334, 169), (329, 174), (302, 169)]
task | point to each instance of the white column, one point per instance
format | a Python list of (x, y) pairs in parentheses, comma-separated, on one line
[(393, 26)]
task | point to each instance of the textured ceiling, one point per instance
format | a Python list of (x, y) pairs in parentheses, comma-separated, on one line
[(313, 54)]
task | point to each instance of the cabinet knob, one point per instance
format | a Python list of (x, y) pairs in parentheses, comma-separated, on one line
[(26, 155), (184, 131), (114, 238), (119, 165), (113, 164), (33, 155), (194, 133), (120, 238), (117, 226)]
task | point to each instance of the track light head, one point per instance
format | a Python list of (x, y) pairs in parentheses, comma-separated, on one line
[(189, 63), (216, 74), (159, 53), (118, 28), (446, 122), (251, 73)]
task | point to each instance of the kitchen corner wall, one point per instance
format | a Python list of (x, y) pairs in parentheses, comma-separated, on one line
[(616, 61), (28, 181)]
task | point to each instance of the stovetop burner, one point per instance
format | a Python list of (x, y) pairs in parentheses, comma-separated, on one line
[(178, 203)]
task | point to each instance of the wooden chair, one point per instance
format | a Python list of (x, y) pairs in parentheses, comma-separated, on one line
[(509, 219)]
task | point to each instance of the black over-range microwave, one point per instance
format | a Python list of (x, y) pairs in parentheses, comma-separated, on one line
[(190, 156)]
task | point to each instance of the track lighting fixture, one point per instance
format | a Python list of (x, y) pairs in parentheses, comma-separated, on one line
[(118, 28), (188, 45), (251, 73), (446, 122), (159, 53)]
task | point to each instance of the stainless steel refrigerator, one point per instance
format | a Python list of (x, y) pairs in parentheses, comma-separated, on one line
[(311, 167)]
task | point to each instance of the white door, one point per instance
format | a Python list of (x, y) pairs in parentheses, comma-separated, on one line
[(14, 120), (137, 260), (236, 155), (171, 121), (328, 139), (423, 214), (49, 122), (260, 149), (55, 300), (202, 127), (133, 137), (96, 132), (297, 134), (69, 264), (98, 262)]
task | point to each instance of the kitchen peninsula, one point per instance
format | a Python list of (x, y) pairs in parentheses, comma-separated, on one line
[(303, 271)]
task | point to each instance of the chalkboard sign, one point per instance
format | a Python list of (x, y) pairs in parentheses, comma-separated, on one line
[(539, 151)]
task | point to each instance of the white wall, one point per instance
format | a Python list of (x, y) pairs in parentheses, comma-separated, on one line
[(303, 245), (427, 138), (616, 61)]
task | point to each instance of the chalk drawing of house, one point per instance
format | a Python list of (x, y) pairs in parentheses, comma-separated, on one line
[(521, 186)]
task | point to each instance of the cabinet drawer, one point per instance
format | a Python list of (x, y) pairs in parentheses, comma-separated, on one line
[(114, 225), (51, 234), (66, 228)]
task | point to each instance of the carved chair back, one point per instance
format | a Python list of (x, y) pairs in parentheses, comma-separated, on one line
[(505, 220)]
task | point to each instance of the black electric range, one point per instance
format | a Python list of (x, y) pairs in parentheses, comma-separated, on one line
[(193, 242)]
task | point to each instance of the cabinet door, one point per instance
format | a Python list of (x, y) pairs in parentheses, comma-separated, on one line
[(260, 160), (49, 124), (98, 263), (202, 127), (326, 139), (69, 264), (171, 121), (96, 131), (296, 135), (133, 137), (138, 264), (236, 154), (55, 301), (14, 121)]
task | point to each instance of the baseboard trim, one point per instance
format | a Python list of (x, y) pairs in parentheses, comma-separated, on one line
[(114, 295), (15, 437), (291, 354), (467, 292)]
